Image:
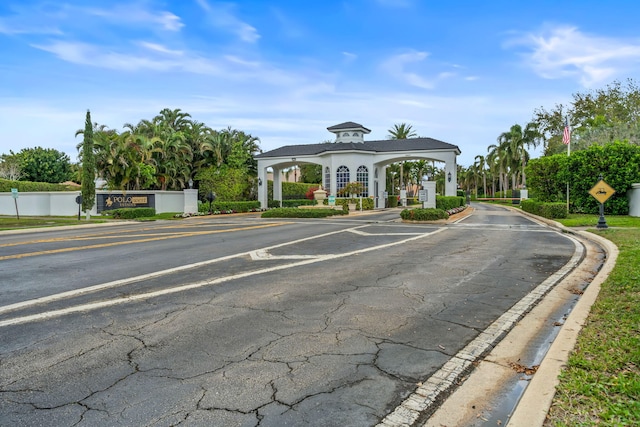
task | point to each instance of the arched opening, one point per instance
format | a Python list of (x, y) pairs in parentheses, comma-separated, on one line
[(362, 176), (342, 177)]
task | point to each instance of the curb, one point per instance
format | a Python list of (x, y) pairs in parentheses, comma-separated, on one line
[(535, 403)]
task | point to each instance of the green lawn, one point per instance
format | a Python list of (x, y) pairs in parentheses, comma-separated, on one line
[(584, 220), (601, 384), (12, 223)]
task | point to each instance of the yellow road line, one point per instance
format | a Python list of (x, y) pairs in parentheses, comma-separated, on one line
[(105, 245), (107, 235)]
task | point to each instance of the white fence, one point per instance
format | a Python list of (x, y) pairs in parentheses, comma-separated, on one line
[(63, 203)]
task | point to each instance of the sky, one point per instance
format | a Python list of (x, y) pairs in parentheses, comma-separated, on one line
[(283, 71)]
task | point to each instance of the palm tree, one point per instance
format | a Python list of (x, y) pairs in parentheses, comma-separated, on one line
[(515, 143), (495, 158), (401, 131), (481, 165)]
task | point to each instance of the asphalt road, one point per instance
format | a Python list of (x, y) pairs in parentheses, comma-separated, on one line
[(239, 321)]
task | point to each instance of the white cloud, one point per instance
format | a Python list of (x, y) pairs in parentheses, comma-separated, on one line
[(221, 16), (349, 57), (396, 66), (565, 51), (160, 48), (137, 14)]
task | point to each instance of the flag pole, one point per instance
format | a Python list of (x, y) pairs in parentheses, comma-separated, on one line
[(566, 138)]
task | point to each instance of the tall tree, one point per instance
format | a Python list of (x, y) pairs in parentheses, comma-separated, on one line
[(401, 131), (43, 165), (88, 167), (514, 144)]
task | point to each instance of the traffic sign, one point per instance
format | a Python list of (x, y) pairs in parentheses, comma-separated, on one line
[(602, 191), (14, 193)]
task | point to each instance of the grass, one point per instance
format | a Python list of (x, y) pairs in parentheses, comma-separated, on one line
[(12, 223), (601, 383), (585, 220)]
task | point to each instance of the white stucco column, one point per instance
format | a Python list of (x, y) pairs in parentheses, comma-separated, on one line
[(263, 187), (450, 187), (190, 200), (277, 185)]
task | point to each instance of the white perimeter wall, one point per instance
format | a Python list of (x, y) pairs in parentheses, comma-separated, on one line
[(63, 203)]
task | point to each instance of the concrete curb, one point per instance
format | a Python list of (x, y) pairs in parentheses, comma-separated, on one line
[(534, 405)]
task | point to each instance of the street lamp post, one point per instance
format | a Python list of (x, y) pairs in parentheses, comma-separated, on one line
[(211, 197)]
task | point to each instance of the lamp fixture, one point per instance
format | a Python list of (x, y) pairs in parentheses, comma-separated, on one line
[(449, 177), (190, 183), (259, 182)]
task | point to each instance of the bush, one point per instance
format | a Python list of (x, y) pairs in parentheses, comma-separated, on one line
[(294, 203), (449, 202), (130, 213), (367, 203), (545, 210), (26, 186), (392, 201), (301, 213), (309, 194), (420, 214), (245, 206)]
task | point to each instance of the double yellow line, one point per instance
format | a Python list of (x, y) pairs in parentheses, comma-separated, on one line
[(156, 237)]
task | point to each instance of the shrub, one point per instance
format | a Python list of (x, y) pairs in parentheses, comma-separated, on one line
[(294, 203), (429, 214), (309, 194), (26, 186), (449, 202), (246, 206), (301, 213), (546, 210), (130, 213)]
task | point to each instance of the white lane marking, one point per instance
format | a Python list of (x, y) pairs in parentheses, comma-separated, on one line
[(155, 274), (189, 286), (263, 254), (364, 233)]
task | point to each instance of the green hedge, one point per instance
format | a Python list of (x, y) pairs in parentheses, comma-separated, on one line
[(294, 203), (26, 186), (618, 162), (301, 213), (449, 202), (130, 213), (420, 214), (367, 203), (546, 210), (229, 206)]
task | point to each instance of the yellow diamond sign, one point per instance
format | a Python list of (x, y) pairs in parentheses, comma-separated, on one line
[(602, 191)]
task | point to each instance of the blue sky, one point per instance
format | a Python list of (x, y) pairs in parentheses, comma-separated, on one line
[(459, 71)]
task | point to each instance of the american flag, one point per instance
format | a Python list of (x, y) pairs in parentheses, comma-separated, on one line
[(566, 136)]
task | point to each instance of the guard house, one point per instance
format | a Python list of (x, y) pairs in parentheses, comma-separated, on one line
[(351, 158)]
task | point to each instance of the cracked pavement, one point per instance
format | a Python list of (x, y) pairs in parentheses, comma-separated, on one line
[(339, 341)]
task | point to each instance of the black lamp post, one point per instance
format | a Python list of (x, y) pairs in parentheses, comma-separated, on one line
[(210, 197), (79, 202)]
